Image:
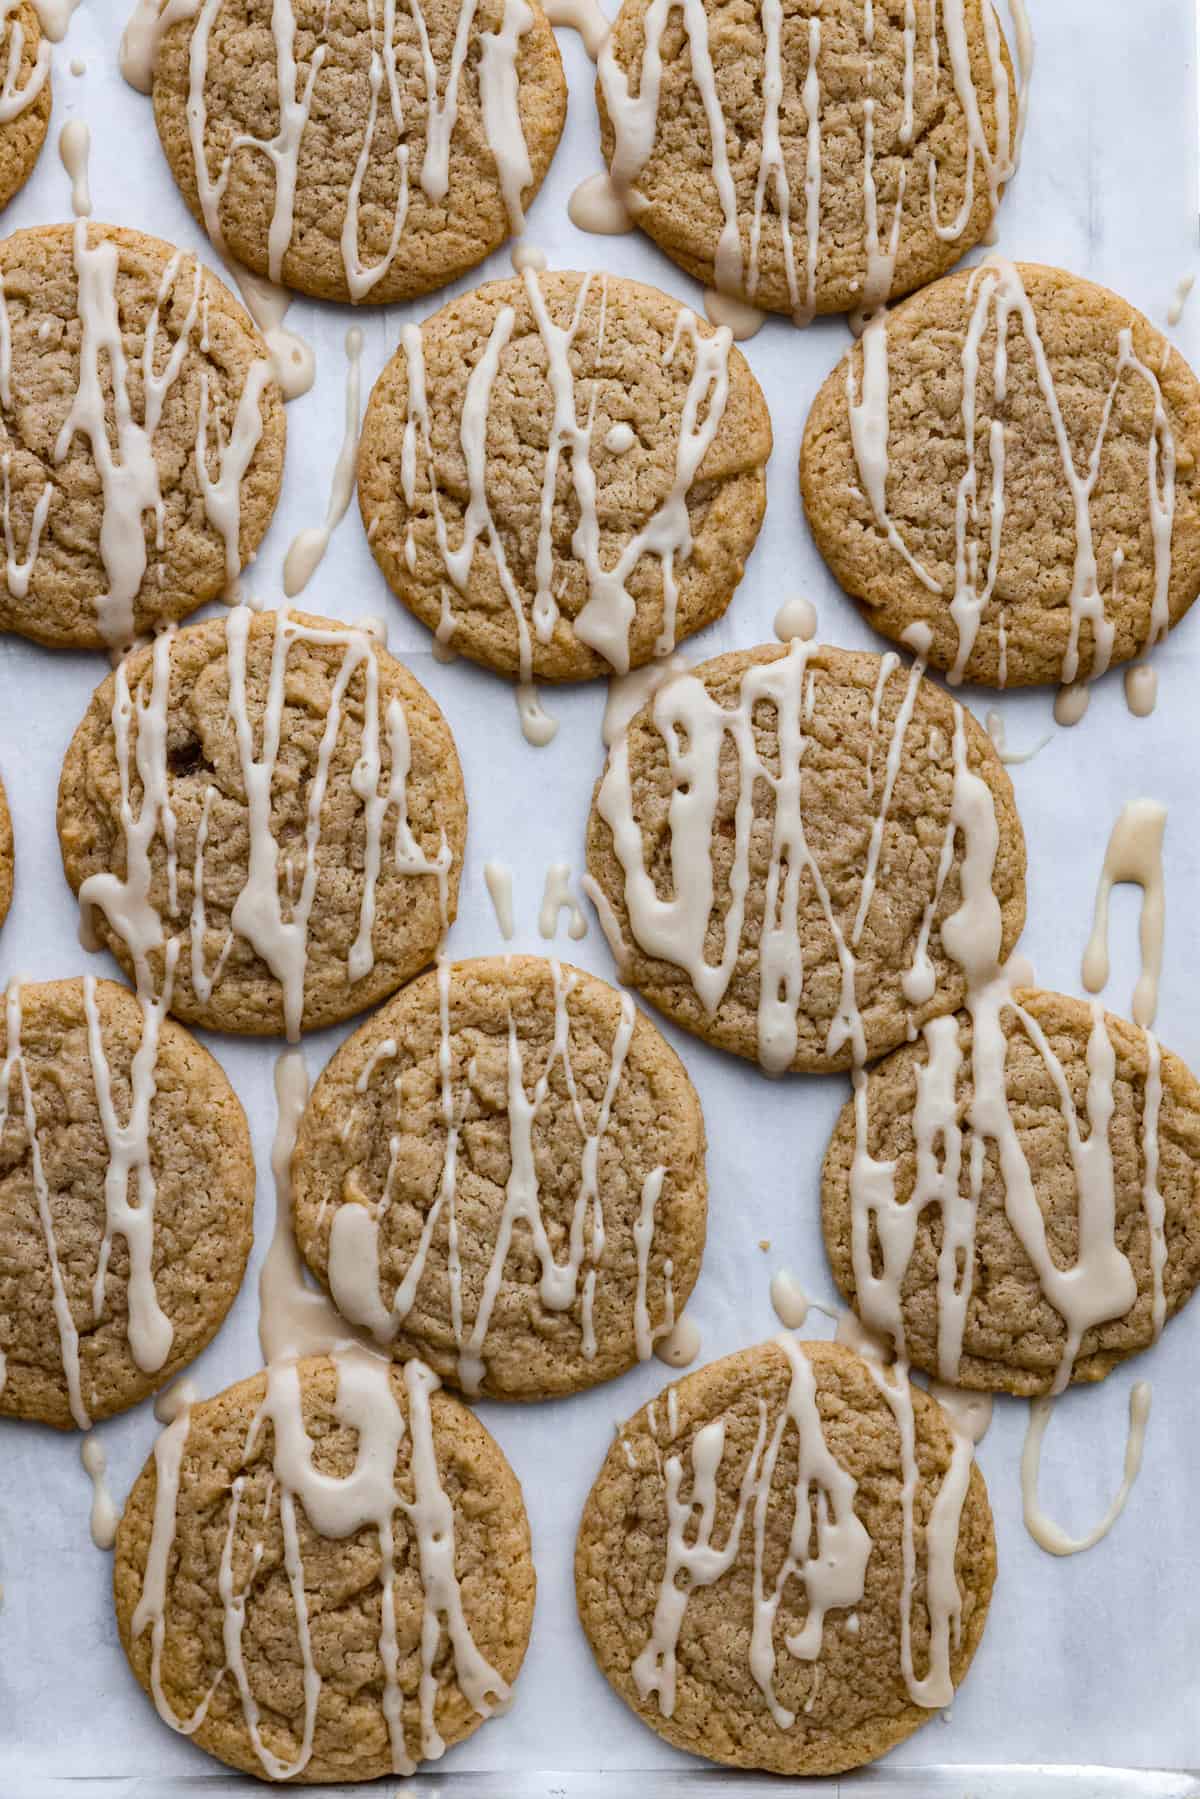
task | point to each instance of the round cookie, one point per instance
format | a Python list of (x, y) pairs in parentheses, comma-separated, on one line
[(808, 812), (347, 1481), (104, 545), (739, 1569), (1013, 1337), (577, 1213), (6, 855), (121, 1250), (937, 495), (706, 123), (417, 135), (618, 490), (295, 824), (25, 94)]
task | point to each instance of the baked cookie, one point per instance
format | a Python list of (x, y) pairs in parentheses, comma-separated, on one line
[(6, 855), (263, 817), (324, 1573), (502, 1172), (416, 134), (1011, 458), (25, 97), (126, 1200), (604, 508), (823, 156), (748, 1574), (777, 846), (104, 543), (1073, 1257)]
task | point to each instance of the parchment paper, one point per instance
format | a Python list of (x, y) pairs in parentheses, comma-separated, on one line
[(1088, 1660)]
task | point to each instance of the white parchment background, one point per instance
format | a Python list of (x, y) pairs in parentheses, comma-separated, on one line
[(1090, 1660)]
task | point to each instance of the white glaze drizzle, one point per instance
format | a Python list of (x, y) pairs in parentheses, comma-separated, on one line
[(583, 16), (822, 1502), (336, 1507), (1134, 853), (597, 207), (634, 117), (54, 16), (295, 91), (124, 455), (17, 95), (292, 362), (296, 1320), (1141, 689), (104, 1516), (742, 319), (996, 295), (354, 1251), (695, 728), (498, 877), (148, 1330), (557, 898), (1100, 1284), (797, 617), (308, 547), (1179, 299), (276, 928), (605, 620), (1044, 1531)]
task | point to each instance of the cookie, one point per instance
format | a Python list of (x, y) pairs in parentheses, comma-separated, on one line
[(105, 543), (6, 855), (502, 1172), (415, 138), (814, 158), (778, 845), (25, 94), (1099, 1131), (1011, 459), (126, 1200), (749, 1575), (285, 847), (563, 474), (325, 1571)]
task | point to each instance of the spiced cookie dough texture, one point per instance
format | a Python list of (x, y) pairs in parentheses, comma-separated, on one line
[(126, 1200), (1067, 1244), (324, 1573), (263, 817), (352, 150), (811, 1566), (25, 94), (144, 435), (502, 1172), (563, 474), (781, 843), (813, 157), (1011, 458)]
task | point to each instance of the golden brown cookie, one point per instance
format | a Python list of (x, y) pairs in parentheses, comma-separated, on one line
[(107, 542), (740, 1567), (1011, 458), (502, 1172), (122, 1245), (25, 94), (6, 855), (823, 157), (772, 852), (295, 855), (417, 135), (606, 508), (387, 1510), (998, 1328)]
